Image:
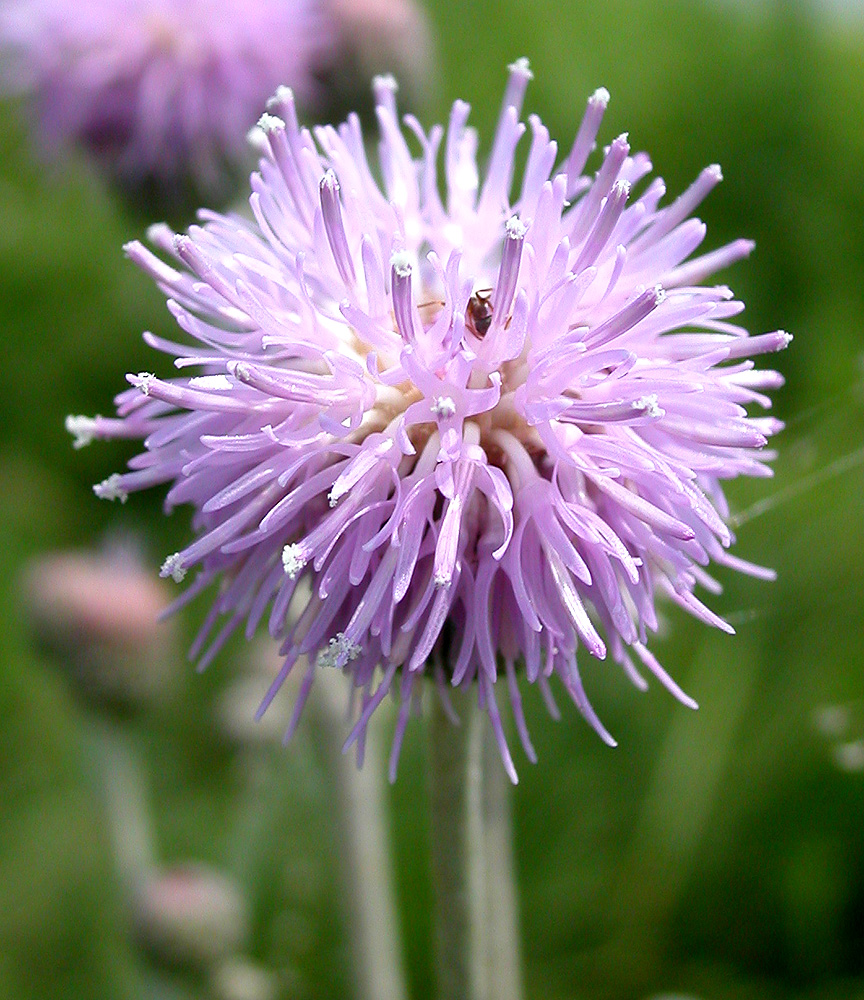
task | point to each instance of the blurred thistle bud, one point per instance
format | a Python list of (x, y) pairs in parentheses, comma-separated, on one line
[(161, 93), (239, 979), (384, 36), (833, 721), (191, 915), (849, 756), (98, 614), (842, 727)]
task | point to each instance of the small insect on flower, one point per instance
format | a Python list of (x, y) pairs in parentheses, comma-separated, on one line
[(463, 437), (479, 313)]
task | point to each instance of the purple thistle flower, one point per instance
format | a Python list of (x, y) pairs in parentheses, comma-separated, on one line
[(456, 437), (160, 91)]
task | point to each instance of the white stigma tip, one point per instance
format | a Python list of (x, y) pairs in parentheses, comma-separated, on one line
[(600, 96), (293, 560), (211, 382), (82, 428), (444, 406), (240, 370), (522, 66), (270, 123), (659, 294), (174, 568), (649, 405), (515, 228), (110, 489), (333, 497), (784, 338), (339, 648), (402, 264), (256, 139), (385, 80), (443, 580), (142, 381), (283, 95)]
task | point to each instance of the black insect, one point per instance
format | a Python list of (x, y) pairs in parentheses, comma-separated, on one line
[(479, 313)]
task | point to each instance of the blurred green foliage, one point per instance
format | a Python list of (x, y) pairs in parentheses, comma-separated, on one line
[(716, 854)]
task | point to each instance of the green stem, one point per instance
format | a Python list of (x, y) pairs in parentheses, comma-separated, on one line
[(472, 860), (366, 857), (502, 966), (126, 803), (448, 785)]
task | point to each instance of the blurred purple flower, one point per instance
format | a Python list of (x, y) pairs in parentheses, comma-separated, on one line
[(482, 432), (98, 614), (160, 91), (377, 36)]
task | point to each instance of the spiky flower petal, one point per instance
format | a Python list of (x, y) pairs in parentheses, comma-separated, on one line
[(483, 429)]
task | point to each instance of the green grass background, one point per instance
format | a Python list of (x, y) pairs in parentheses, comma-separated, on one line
[(717, 854)]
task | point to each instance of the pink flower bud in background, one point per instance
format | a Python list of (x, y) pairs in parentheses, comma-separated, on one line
[(98, 613), (191, 915)]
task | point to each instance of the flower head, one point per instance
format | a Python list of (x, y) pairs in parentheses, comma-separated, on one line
[(98, 614), (160, 91), (191, 915), (455, 435)]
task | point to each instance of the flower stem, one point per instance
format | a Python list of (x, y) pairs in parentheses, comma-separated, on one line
[(127, 810), (502, 947), (366, 859), (448, 772), (472, 861)]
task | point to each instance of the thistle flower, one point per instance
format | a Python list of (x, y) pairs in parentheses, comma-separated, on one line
[(383, 35), (488, 430), (161, 92)]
